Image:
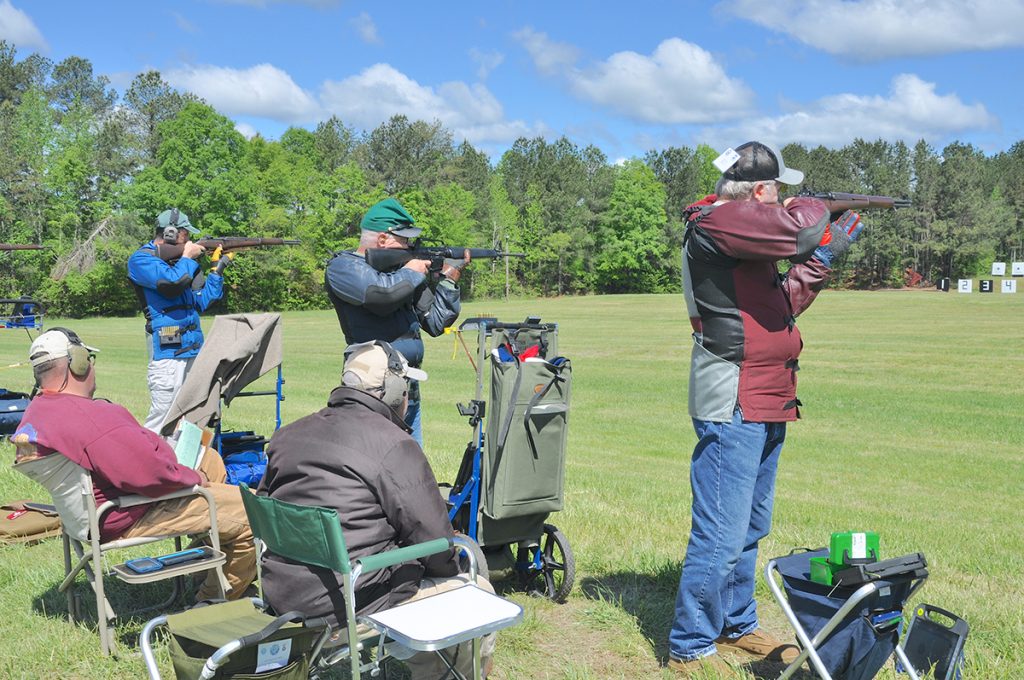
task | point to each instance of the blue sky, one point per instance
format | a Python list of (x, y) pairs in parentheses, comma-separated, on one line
[(627, 77)]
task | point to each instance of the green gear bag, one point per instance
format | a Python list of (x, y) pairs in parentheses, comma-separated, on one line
[(524, 466), (197, 633)]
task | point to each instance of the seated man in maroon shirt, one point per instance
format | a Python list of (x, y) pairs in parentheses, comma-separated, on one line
[(125, 458)]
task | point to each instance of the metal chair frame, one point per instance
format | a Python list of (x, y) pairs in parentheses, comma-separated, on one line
[(352, 570), (89, 550), (810, 644)]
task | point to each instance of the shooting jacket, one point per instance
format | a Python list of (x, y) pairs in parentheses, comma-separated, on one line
[(743, 312), (357, 457), (390, 306), (168, 298)]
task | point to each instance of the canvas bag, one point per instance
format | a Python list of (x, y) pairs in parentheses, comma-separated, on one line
[(12, 408), (855, 650), (245, 459), (19, 524), (524, 466)]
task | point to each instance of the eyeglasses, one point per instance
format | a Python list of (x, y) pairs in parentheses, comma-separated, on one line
[(92, 357)]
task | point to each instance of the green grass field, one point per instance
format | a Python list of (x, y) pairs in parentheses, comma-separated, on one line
[(912, 427)]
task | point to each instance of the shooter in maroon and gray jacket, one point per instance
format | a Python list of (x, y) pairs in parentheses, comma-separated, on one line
[(742, 387)]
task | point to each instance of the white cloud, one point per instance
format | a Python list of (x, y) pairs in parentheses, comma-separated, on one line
[(262, 90), (678, 83), (912, 110), (17, 28), (867, 30), (486, 61), (366, 28), (380, 91), (550, 57), (248, 131)]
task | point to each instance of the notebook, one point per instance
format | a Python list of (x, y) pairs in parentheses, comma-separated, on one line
[(189, 445)]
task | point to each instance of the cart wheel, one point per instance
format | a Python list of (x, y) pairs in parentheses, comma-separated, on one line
[(478, 553), (557, 574)]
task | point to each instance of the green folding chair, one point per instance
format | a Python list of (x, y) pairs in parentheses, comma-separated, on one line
[(313, 535)]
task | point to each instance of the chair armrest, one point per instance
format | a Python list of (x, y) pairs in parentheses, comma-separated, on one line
[(133, 500), (407, 554)]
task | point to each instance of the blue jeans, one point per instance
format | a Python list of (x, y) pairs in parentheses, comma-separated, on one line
[(412, 419), (732, 476)]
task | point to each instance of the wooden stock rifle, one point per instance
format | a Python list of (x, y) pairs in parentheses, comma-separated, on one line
[(168, 252), (838, 203)]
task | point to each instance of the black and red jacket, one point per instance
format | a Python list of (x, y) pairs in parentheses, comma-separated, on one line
[(743, 312)]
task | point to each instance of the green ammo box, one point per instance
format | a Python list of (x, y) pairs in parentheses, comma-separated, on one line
[(822, 570), (853, 547)]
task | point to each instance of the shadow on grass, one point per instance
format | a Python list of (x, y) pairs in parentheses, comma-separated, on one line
[(134, 604), (650, 600)]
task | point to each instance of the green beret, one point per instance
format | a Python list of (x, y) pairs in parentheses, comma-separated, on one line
[(390, 216)]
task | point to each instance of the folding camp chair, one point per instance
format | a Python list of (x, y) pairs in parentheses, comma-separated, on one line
[(846, 631), (71, 487), (237, 639), (313, 535)]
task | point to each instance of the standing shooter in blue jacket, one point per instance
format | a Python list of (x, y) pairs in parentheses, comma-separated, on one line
[(171, 295), (393, 306)]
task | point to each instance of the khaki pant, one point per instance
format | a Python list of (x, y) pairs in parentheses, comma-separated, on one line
[(426, 665), (191, 516)]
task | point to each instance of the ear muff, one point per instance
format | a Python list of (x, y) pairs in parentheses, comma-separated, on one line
[(78, 355), (396, 387), (170, 232)]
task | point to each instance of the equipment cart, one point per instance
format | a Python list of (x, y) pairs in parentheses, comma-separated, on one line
[(513, 470)]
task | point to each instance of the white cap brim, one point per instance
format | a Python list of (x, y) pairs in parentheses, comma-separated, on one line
[(415, 374), (790, 176)]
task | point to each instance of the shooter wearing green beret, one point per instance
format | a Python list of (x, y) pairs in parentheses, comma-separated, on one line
[(393, 306)]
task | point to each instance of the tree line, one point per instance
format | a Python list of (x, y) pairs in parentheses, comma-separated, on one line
[(85, 171)]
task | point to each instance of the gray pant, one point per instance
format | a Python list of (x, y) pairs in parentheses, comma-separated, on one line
[(164, 378)]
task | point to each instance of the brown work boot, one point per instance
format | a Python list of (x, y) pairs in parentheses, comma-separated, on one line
[(709, 667), (761, 644)]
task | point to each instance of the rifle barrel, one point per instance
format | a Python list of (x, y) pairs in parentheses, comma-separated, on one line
[(838, 201)]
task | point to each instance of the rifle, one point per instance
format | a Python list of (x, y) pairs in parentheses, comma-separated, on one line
[(7, 247), (389, 259), (839, 203), (168, 252)]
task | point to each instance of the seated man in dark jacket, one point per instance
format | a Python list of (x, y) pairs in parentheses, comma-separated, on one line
[(357, 457)]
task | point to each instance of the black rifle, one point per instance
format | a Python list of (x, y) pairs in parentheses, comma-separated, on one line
[(839, 203), (390, 259)]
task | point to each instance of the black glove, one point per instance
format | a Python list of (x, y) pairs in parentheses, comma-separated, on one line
[(223, 261)]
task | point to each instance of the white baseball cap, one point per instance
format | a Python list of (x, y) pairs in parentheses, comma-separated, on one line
[(54, 344)]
